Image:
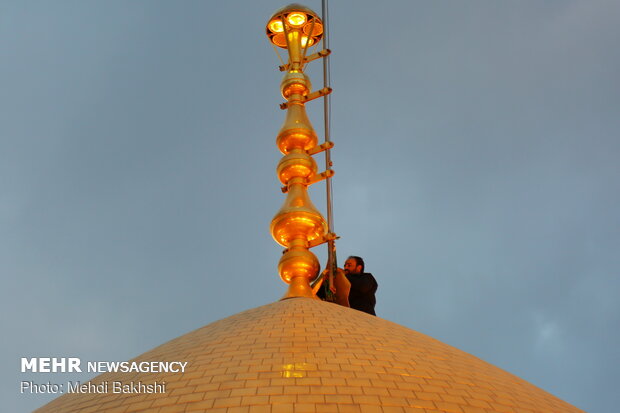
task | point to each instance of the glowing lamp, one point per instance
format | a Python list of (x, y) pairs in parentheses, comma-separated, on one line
[(296, 19), (294, 27), (275, 26)]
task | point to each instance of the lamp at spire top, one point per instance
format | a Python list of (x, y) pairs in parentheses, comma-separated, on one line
[(293, 26)]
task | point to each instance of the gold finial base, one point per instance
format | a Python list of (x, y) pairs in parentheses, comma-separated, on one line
[(299, 287)]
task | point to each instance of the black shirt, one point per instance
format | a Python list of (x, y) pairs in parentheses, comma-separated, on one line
[(362, 294)]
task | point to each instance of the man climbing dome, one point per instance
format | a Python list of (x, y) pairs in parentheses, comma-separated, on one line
[(363, 285), (360, 286)]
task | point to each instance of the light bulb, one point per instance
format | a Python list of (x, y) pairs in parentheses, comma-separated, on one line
[(296, 19), (304, 40), (276, 26)]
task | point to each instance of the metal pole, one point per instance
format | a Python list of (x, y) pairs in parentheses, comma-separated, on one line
[(331, 246)]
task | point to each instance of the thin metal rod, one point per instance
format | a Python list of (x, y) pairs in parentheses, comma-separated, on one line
[(305, 48), (288, 43), (327, 114), (278, 54), (332, 264)]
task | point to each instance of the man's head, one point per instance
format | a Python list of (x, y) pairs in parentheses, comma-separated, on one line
[(354, 265)]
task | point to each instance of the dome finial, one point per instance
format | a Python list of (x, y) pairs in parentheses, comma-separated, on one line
[(298, 225)]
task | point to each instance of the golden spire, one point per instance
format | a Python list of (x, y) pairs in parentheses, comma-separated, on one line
[(298, 225)]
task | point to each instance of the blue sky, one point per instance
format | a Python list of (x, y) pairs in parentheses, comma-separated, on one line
[(476, 169)]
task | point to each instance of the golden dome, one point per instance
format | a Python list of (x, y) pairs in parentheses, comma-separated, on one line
[(305, 355)]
